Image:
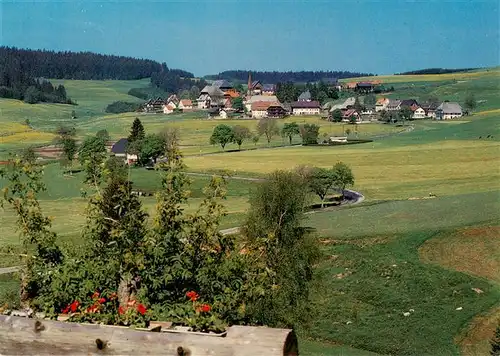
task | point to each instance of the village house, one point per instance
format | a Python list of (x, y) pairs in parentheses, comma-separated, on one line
[(173, 99), (430, 109), (350, 85), (381, 104), (351, 115), (276, 110), (227, 88), (185, 104), (306, 108), (418, 113), (211, 97), (305, 96), (364, 87), (412, 104), (259, 109), (448, 110), (168, 108), (394, 105), (154, 105), (119, 149), (268, 89), (255, 98)]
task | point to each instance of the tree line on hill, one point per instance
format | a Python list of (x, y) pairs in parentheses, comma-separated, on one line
[(435, 71), (76, 65), (21, 68), (275, 77), (18, 85)]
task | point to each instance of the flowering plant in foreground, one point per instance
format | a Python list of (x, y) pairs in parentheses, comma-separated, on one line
[(105, 308), (199, 315)]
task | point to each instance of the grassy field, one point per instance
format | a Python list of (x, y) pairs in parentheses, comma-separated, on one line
[(398, 252), (372, 273)]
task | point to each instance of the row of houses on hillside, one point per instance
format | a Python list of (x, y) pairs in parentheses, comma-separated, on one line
[(444, 111), (166, 106)]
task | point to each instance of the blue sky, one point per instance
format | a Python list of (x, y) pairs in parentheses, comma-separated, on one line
[(206, 37)]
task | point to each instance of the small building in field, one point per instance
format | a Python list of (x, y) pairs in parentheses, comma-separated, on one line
[(338, 139), (223, 85), (306, 108), (364, 87), (185, 104), (448, 110), (211, 97), (154, 105), (119, 149), (223, 113), (255, 88), (173, 99), (430, 109), (419, 113)]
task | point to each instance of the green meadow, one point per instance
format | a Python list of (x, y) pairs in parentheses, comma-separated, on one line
[(400, 273)]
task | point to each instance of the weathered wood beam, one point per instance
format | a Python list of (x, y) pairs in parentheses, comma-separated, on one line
[(24, 336)]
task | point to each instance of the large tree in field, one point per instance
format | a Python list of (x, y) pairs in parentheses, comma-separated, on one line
[(470, 102), (274, 228), (289, 130), (222, 135), (69, 149), (240, 134), (268, 127), (337, 115), (137, 131), (309, 134), (405, 114), (343, 176), (321, 181), (150, 148), (91, 155), (237, 104)]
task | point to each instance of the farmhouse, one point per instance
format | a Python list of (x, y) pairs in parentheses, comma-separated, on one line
[(276, 110), (119, 149), (256, 98), (259, 109), (185, 104), (381, 104), (394, 105), (154, 105), (364, 87), (305, 96), (268, 89), (211, 97), (448, 110), (418, 113), (168, 108), (306, 108), (172, 99), (351, 115), (430, 109)]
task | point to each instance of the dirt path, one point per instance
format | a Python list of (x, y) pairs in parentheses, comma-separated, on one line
[(7, 270)]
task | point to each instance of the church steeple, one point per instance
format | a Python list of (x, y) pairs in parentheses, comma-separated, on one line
[(249, 92)]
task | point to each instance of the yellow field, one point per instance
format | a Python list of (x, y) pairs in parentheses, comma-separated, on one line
[(381, 173), (494, 72)]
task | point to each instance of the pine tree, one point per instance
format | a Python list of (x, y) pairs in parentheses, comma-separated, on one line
[(137, 131)]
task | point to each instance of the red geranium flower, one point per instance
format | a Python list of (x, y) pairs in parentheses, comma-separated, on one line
[(102, 300), (74, 306), (192, 295), (95, 295), (65, 310), (205, 308), (141, 309), (121, 310), (92, 309)]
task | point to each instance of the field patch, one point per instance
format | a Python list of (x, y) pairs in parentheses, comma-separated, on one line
[(475, 341), (472, 250)]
